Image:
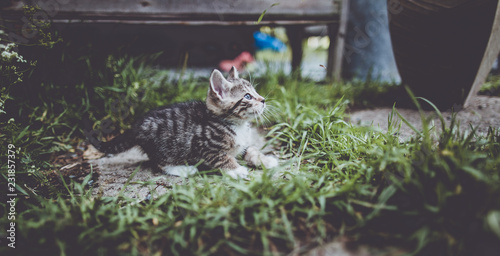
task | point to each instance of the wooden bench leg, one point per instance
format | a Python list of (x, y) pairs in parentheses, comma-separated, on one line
[(337, 41), (490, 54), (295, 36), (331, 67)]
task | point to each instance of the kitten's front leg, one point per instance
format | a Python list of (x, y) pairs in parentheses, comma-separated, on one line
[(227, 164), (239, 172), (254, 157)]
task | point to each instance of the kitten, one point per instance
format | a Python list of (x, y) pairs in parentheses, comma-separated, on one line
[(178, 136)]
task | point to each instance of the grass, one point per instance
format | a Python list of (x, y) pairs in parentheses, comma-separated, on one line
[(491, 87), (430, 197)]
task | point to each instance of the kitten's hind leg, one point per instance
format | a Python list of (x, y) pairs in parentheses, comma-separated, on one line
[(254, 157), (179, 170)]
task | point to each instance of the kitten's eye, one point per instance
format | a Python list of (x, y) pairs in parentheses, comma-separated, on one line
[(248, 96)]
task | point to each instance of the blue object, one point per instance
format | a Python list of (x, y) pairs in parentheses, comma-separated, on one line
[(264, 41)]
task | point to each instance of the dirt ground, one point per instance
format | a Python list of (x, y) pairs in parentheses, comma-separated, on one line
[(115, 171)]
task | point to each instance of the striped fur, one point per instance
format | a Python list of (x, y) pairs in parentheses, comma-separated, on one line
[(214, 132)]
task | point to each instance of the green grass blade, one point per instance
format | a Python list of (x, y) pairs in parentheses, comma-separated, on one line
[(264, 13)]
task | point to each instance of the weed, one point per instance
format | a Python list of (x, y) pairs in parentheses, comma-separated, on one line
[(491, 87)]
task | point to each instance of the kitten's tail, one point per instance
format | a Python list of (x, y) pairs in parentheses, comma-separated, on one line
[(118, 144)]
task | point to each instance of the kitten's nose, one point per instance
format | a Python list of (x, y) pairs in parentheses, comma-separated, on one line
[(263, 100)]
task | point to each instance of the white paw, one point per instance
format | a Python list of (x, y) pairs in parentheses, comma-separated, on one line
[(269, 161), (180, 170), (240, 172)]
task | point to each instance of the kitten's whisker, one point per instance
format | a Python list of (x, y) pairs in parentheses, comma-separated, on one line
[(268, 93), (269, 118), (259, 117), (272, 111), (250, 76), (263, 117), (263, 120)]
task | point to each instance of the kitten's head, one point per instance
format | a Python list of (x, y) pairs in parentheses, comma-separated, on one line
[(233, 98)]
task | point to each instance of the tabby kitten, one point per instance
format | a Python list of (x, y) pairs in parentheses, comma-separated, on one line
[(178, 136)]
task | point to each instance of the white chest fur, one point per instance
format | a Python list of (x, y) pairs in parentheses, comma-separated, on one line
[(244, 137)]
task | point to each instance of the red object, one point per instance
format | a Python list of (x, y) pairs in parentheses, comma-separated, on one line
[(239, 62)]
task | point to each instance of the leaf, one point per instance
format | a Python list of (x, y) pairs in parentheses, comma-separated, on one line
[(237, 248), (21, 190), (22, 133), (475, 173), (440, 115), (493, 221), (409, 124), (264, 13), (114, 89)]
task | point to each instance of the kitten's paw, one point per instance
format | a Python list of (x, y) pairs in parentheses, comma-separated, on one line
[(240, 172), (181, 170), (255, 158), (269, 161)]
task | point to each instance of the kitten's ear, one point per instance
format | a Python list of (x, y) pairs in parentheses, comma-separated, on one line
[(218, 84), (233, 73)]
